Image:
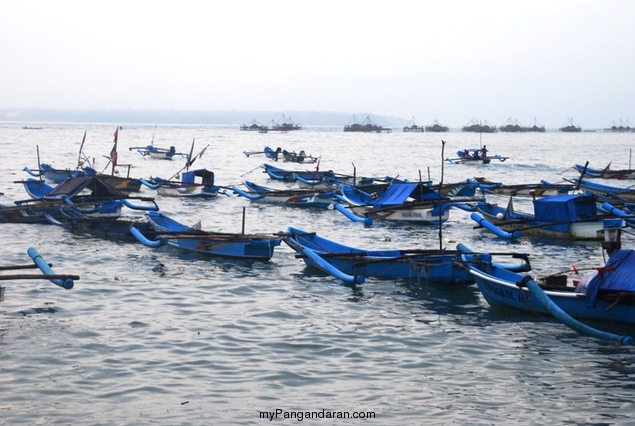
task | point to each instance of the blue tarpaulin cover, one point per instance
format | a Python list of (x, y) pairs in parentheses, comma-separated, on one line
[(398, 193), (564, 208), (617, 275)]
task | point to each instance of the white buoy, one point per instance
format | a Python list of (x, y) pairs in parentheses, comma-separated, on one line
[(500, 216)]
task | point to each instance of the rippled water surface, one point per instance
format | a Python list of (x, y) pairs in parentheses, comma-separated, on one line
[(158, 336)]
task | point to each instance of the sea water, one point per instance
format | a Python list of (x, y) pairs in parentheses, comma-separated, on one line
[(160, 336)]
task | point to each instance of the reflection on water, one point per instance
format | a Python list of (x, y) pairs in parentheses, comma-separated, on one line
[(165, 336)]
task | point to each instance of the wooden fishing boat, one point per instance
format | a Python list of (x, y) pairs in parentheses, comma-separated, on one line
[(561, 216), (117, 228), (230, 245), (66, 281), (605, 192), (52, 174), (474, 156), (155, 152), (152, 151), (542, 189), (606, 294), (353, 265), (195, 183), (605, 173), (283, 154), (37, 188), (277, 173), (402, 202), (285, 197), (88, 194)]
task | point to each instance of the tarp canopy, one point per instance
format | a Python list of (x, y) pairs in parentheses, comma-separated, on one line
[(565, 207), (617, 275), (207, 177), (73, 186), (398, 193)]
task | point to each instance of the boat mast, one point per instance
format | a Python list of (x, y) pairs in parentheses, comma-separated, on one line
[(439, 194)]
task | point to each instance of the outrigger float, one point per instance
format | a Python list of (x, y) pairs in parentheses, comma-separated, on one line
[(66, 281)]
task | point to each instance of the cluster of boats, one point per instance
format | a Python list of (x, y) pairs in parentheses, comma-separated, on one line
[(88, 202)]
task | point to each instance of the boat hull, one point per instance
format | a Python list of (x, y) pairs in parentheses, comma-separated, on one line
[(587, 230), (420, 215), (429, 267), (188, 191), (499, 292), (237, 246)]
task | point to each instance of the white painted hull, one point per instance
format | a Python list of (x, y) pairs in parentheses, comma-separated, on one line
[(187, 191), (416, 215)]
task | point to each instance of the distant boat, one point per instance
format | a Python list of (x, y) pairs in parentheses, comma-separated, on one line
[(477, 126), (285, 125), (437, 127), (366, 126), (535, 126), (620, 128), (31, 128), (570, 127), (413, 126), (512, 125), (254, 126)]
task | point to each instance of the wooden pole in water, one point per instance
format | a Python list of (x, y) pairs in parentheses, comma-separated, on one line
[(243, 229), (39, 165), (354, 175)]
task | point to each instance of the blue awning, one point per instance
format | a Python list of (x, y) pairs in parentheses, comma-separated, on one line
[(617, 275)]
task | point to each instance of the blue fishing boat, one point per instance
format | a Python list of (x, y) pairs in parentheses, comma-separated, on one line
[(564, 216), (52, 174), (353, 265), (230, 245), (474, 156), (606, 294), (403, 202), (87, 194), (541, 189), (606, 192), (284, 155), (116, 228), (605, 173), (56, 176), (37, 188), (277, 173), (286, 197), (194, 183), (152, 151), (122, 183)]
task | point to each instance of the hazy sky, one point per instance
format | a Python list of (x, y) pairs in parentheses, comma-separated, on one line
[(446, 60)]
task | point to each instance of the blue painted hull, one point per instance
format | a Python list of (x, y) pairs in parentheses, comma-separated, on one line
[(385, 264), (239, 246), (34, 213), (289, 198), (499, 289)]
